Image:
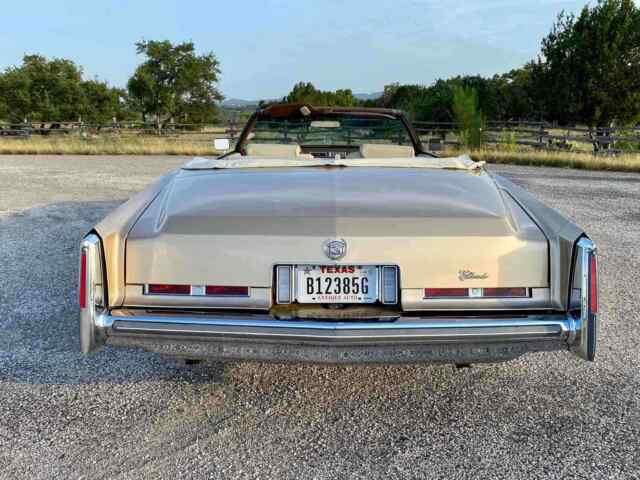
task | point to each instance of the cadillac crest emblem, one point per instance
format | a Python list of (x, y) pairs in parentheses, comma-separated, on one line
[(335, 249)]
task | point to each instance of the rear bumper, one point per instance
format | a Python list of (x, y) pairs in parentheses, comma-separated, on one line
[(404, 340)]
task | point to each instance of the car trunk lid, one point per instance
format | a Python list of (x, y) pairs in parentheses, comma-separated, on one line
[(230, 227)]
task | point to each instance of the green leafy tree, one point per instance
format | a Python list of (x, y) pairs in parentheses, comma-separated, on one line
[(175, 82), (388, 96), (409, 98), (486, 92), (307, 93), (103, 103), (516, 96), (501, 97), (4, 111), (468, 116), (589, 70), (435, 106), (42, 90)]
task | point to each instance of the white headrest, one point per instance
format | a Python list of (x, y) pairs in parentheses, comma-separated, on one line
[(273, 150)]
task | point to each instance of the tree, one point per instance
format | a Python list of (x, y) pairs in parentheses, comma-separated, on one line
[(417, 101), (436, 106), (468, 116), (307, 93), (499, 97), (517, 98), (589, 69), (174, 82), (4, 110), (387, 98), (42, 90), (103, 103), (53, 90), (407, 98)]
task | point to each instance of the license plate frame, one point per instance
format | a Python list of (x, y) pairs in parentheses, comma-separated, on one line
[(351, 275)]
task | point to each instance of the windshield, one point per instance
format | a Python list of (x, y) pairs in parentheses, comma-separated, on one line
[(337, 130)]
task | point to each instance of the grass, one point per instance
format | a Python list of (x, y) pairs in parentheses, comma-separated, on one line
[(581, 161), (149, 145), (107, 145)]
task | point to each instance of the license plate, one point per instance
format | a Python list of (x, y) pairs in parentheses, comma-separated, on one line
[(336, 284)]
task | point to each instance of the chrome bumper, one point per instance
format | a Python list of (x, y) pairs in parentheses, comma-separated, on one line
[(407, 339)]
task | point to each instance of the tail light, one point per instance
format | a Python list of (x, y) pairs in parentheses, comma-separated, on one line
[(505, 292), (225, 291), (520, 292), (446, 292), (593, 284), (164, 289), (82, 285), (197, 290)]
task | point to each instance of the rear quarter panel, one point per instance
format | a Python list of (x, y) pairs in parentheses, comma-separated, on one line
[(561, 233), (113, 231)]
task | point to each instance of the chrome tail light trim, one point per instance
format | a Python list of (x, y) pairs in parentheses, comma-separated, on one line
[(584, 343), (92, 332)]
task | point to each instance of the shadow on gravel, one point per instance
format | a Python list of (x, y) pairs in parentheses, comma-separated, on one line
[(38, 305)]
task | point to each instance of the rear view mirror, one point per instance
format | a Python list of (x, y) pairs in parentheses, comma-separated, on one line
[(221, 144)]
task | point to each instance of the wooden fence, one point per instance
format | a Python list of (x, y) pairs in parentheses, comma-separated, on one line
[(536, 135), (204, 132), (435, 135)]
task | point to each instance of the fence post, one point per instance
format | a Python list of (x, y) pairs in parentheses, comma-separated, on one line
[(594, 140), (232, 127), (541, 137)]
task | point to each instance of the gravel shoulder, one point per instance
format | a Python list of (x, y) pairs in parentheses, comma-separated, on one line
[(130, 414)]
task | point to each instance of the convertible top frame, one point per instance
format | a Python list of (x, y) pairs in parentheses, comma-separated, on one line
[(294, 110)]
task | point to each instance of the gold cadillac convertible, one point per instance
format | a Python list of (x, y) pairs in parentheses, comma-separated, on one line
[(330, 235)]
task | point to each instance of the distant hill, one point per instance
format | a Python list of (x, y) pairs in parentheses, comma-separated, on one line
[(239, 103), (367, 96)]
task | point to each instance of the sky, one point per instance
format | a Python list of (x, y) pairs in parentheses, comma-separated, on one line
[(265, 47)]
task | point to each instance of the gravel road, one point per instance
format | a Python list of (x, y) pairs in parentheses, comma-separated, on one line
[(131, 414)]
